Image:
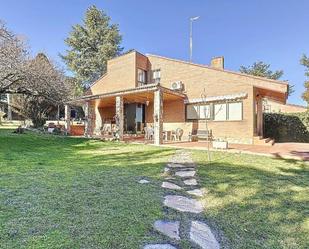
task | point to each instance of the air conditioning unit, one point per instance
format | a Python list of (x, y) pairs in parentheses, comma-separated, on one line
[(177, 85)]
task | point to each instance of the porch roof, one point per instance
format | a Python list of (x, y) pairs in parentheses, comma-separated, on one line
[(137, 90)]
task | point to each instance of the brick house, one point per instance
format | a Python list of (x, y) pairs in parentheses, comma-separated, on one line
[(149, 90)]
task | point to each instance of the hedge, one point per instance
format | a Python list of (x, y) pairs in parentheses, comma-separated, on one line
[(287, 127)]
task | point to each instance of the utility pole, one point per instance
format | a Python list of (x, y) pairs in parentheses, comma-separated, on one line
[(191, 26)]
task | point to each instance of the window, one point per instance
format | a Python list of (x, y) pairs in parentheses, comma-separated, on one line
[(204, 111), (217, 111), (141, 76), (198, 111), (235, 111), (220, 112), (156, 76), (192, 111)]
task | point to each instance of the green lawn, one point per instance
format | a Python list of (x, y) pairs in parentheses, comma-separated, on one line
[(75, 193), (255, 201)]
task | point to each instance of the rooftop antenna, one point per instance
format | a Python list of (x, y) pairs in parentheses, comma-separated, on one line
[(192, 19)]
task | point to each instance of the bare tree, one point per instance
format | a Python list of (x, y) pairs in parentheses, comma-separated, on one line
[(13, 55), (54, 89), (37, 84), (21, 74)]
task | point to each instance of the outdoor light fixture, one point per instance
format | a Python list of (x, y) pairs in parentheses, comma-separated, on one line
[(147, 102)]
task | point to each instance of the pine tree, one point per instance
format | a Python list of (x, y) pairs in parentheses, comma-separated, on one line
[(91, 45), (262, 69)]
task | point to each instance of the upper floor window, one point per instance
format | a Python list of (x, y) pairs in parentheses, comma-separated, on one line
[(141, 76), (156, 76)]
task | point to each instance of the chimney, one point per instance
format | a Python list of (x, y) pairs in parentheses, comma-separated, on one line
[(217, 62)]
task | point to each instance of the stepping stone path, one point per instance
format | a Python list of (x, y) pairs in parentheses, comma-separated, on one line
[(183, 204), (143, 181), (166, 169), (196, 192), (176, 165), (159, 246), (185, 173), (170, 185), (201, 234), (181, 165), (169, 228), (190, 182)]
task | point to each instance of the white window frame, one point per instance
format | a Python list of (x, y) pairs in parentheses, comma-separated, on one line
[(198, 110), (217, 111), (240, 114), (156, 75)]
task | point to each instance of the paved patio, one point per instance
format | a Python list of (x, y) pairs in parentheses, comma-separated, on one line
[(298, 151)]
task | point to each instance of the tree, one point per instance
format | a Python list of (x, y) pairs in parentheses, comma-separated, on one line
[(262, 69), (20, 74), (305, 62), (53, 93), (37, 85), (13, 55), (91, 45)]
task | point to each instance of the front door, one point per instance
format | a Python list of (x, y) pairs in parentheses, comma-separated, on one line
[(134, 117)]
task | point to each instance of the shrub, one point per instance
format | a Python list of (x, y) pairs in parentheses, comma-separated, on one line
[(287, 127)]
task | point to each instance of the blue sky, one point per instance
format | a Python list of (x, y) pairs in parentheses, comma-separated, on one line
[(243, 31)]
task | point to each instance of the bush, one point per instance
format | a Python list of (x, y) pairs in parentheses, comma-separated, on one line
[(287, 127)]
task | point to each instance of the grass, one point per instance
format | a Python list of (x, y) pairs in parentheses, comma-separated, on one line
[(75, 193), (255, 201)]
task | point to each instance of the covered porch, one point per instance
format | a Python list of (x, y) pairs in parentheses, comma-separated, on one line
[(125, 114)]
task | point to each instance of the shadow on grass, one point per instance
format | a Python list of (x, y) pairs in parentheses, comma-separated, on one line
[(77, 193), (258, 204)]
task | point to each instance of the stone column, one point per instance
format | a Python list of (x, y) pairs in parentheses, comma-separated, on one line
[(119, 116), (259, 116), (88, 119), (9, 115), (67, 118), (98, 119), (158, 117)]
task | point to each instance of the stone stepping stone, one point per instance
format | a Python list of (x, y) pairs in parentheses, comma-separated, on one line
[(185, 173), (170, 185), (143, 181), (166, 169), (159, 246), (185, 169), (176, 165), (168, 228), (183, 204), (190, 182), (196, 192), (201, 234)]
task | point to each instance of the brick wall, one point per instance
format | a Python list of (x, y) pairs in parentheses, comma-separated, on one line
[(121, 74)]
